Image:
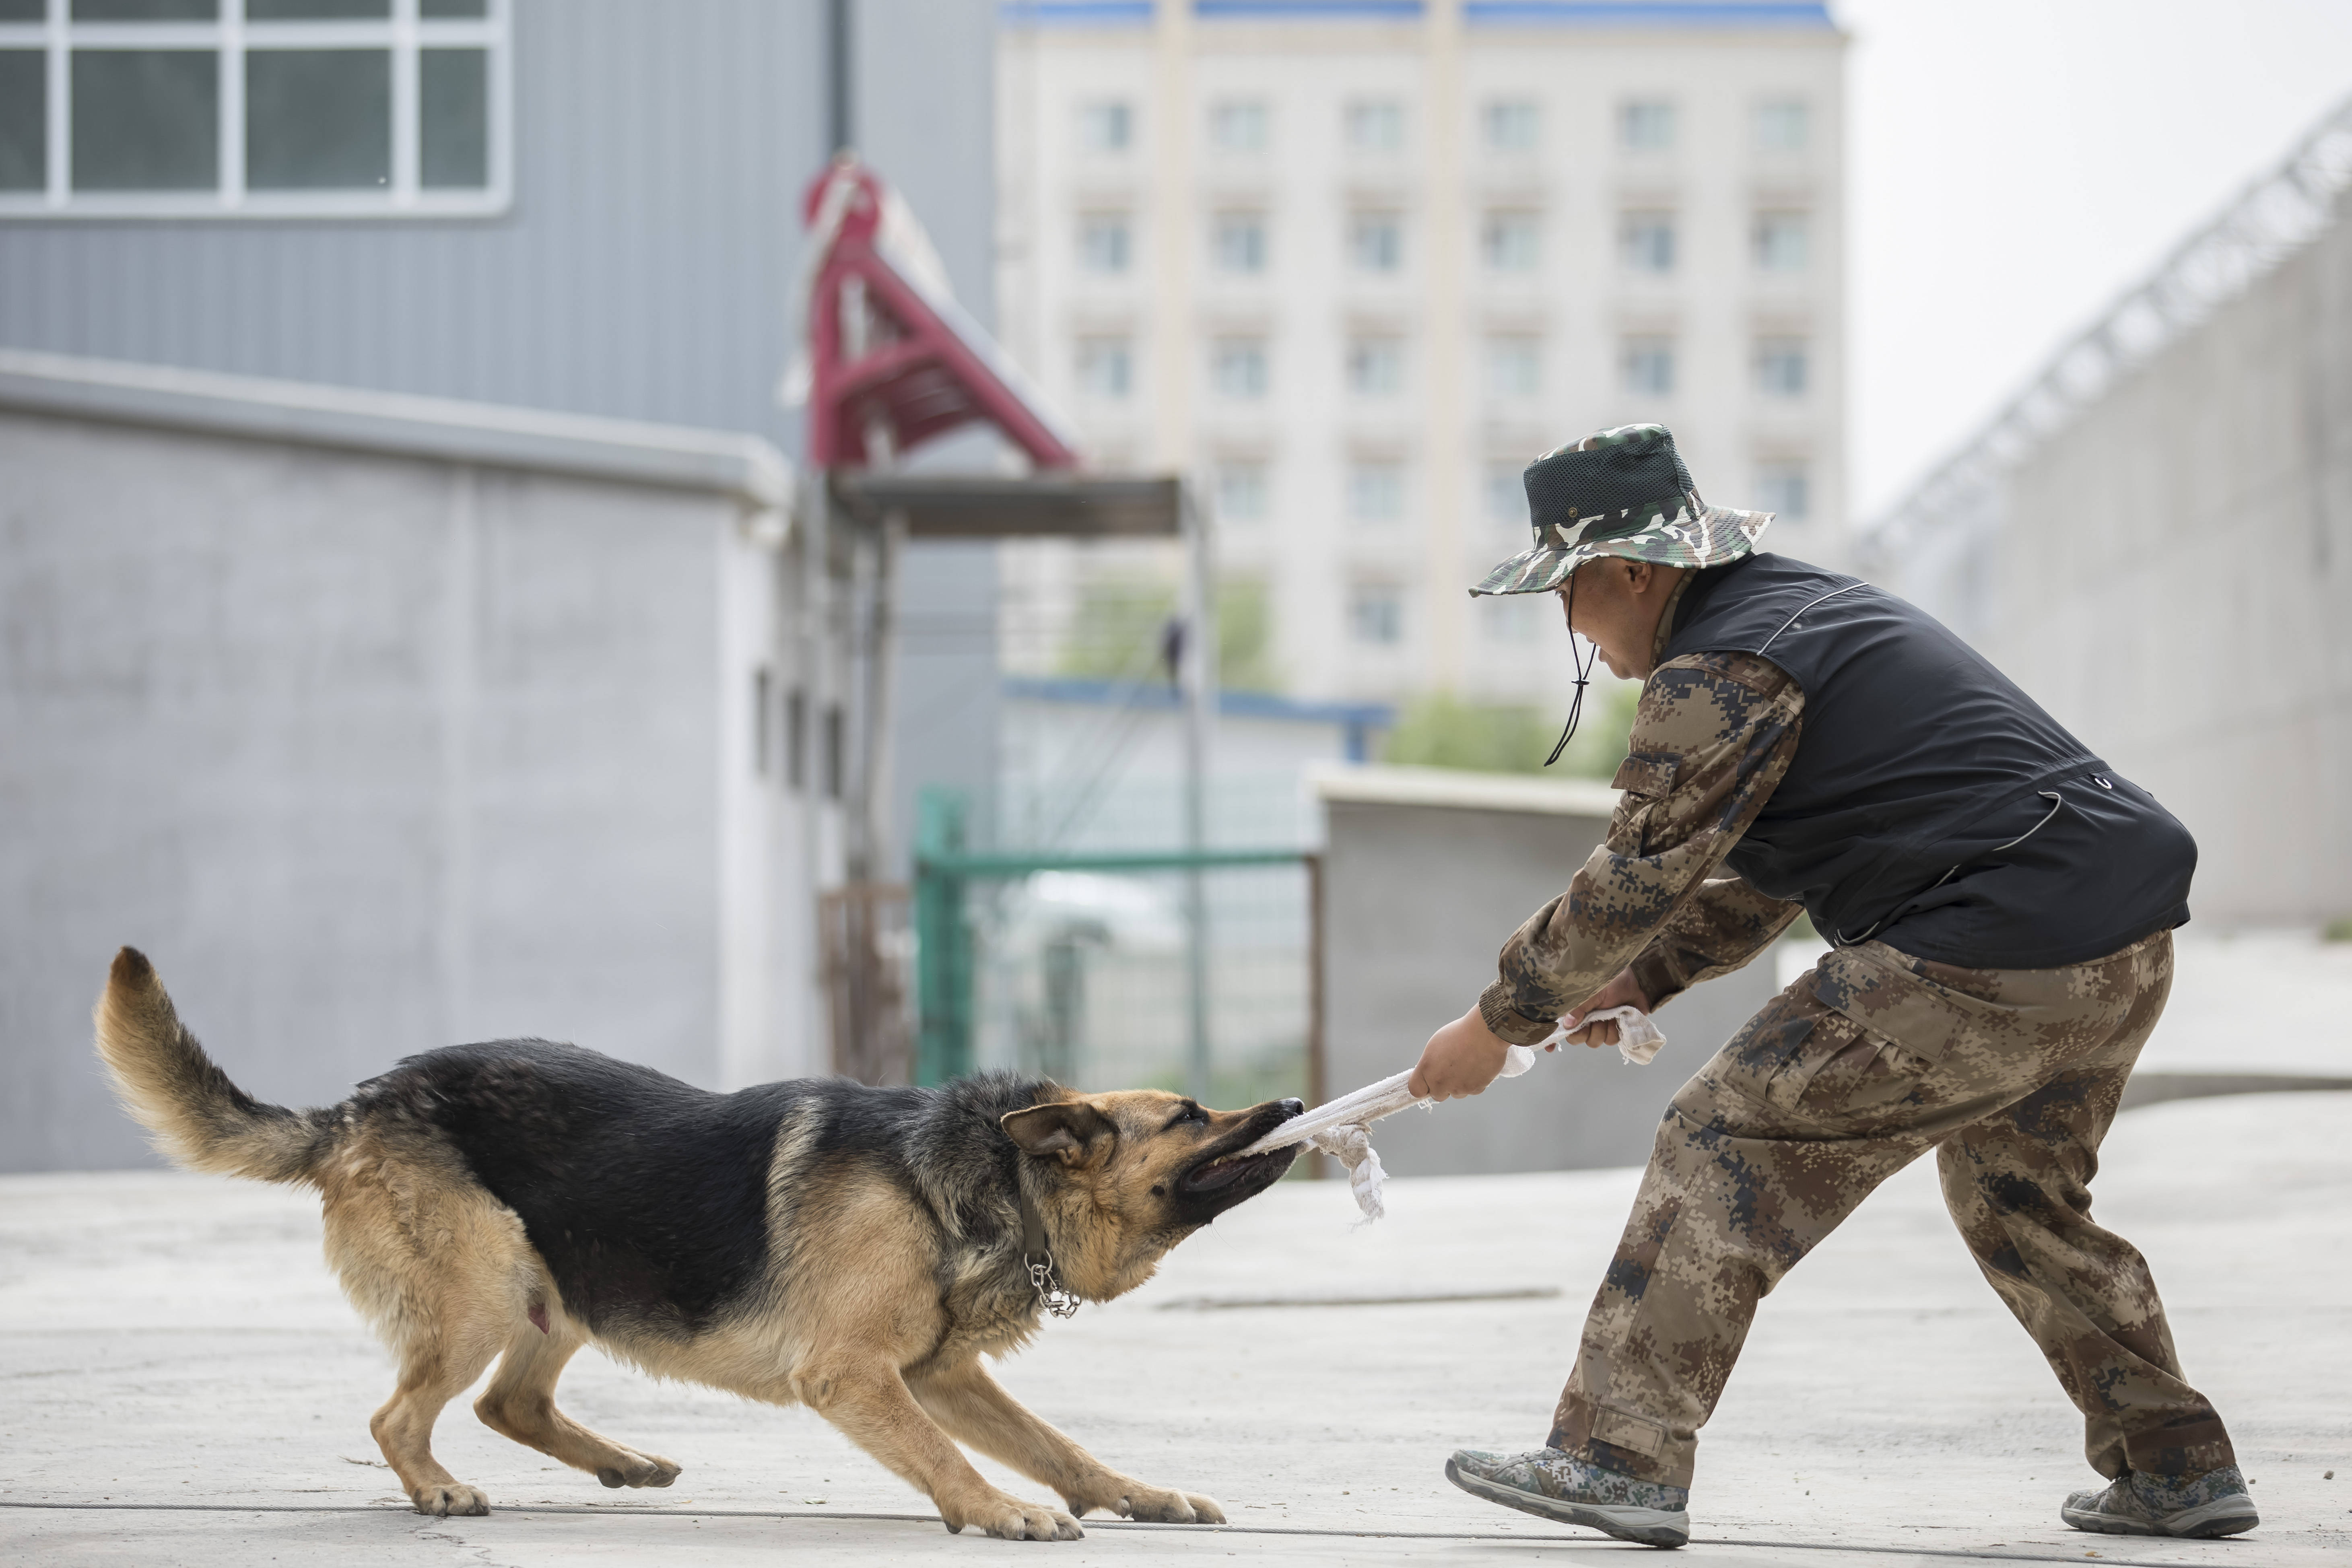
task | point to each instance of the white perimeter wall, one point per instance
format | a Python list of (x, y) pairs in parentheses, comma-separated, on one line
[(2174, 576), (372, 755)]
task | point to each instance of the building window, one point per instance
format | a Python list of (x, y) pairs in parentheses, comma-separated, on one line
[(1780, 241), (1376, 242), (1241, 492), (1107, 125), (1781, 125), (1646, 241), (297, 108), (1784, 489), (1376, 491), (1376, 366), (1780, 367), (1238, 125), (1238, 242), (1646, 363), (1514, 367), (1376, 615), (1511, 241), (1511, 124), (1237, 368), (1107, 368), (1514, 620), (1106, 243), (1646, 124), (1375, 125), (796, 738), (1506, 496), (836, 750)]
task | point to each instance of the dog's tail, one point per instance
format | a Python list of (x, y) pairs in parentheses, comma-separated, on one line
[(199, 1119)]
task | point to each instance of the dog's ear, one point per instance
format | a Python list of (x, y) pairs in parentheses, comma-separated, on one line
[(1070, 1130)]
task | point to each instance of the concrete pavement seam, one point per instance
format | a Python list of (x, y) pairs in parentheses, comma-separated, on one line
[(1115, 1524)]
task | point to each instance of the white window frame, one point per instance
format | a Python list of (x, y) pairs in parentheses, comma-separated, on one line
[(228, 35)]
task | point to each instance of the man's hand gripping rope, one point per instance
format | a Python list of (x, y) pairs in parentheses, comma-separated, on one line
[(1460, 1060)]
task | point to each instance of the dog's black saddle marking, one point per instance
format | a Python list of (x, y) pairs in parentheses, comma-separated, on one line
[(648, 1197)]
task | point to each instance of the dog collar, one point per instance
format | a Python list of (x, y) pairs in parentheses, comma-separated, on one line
[(1038, 1258)]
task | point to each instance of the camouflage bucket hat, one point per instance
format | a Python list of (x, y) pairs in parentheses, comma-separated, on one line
[(1619, 492)]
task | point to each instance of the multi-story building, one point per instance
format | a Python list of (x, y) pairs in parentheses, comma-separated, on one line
[(1353, 263)]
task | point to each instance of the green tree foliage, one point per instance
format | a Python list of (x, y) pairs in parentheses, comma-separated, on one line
[(1441, 731), (1122, 619)]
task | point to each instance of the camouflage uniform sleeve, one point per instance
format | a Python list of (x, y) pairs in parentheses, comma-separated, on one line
[(1726, 922), (1714, 734)]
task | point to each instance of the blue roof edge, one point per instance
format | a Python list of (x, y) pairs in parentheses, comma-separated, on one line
[(1720, 13)]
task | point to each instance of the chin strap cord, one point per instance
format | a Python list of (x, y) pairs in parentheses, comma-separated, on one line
[(1584, 663), (1053, 1296), (1342, 1127)]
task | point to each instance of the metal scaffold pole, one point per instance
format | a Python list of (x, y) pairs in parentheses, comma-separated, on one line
[(1200, 672)]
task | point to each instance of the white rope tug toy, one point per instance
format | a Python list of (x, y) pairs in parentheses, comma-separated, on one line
[(1340, 1128)]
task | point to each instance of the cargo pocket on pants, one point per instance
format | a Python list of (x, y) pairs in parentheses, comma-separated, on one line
[(1841, 1067)]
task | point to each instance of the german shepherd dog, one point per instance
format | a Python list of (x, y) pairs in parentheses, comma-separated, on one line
[(856, 1250)]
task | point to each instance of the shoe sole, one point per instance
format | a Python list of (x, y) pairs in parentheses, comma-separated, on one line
[(2224, 1516), (1645, 1526)]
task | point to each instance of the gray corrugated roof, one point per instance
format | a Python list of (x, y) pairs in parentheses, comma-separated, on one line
[(671, 457)]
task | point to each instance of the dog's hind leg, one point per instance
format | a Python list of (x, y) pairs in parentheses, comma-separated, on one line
[(975, 1408), (520, 1404), (438, 1364)]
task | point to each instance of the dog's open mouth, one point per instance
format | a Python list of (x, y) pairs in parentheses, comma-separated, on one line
[(1217, 1175)]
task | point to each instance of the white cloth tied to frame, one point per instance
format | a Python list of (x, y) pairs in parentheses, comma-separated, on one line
[(1341, 1128)]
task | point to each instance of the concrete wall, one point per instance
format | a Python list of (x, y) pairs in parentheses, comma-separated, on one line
[(2172, 579), (1417, 900), (374, 753)]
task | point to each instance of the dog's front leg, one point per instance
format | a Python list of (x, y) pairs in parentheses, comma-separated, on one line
[(975, 1407), (870, 1403)]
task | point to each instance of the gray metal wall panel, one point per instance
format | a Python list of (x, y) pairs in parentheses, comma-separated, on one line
[(641, 271)]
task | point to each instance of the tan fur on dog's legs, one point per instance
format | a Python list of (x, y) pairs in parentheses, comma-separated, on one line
[(871, 1405), (429, 1379), (976, 1408), (520, 1404)]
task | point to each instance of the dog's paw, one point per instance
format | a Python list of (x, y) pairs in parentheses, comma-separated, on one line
[(452, 1497), (637, 1470), (1009, 1518), (1156, 1505)]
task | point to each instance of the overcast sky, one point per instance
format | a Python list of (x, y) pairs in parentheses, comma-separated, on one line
[(2016, 163)]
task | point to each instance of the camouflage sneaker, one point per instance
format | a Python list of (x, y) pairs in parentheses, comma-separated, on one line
[(1553, 1485), (2135, 1503)]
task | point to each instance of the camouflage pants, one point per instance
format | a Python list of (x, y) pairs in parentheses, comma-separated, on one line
[(2012, 1076)]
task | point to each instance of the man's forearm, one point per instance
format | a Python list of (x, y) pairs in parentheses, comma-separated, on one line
[(1712, 738), (1725, 923)]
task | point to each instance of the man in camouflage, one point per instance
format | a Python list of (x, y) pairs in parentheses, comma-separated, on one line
[(2001, 904)]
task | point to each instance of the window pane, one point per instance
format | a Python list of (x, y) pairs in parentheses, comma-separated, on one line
[(454, 8), (453, 118), (1241, 492), (145, 10), (1647, 241), (314, 10), (1506, 495), (1106, 127), (1104, 242), (1376, 492), (1782, 490), (1240, 242), (1647, 365), (24, 10), (1105, 368), (23, 120), (318, 120), (1376, 241), (1780, 126), (146, 120), (1646, 124), (1238, 127), (1512, 241), (1376, 126), (1376, 366)]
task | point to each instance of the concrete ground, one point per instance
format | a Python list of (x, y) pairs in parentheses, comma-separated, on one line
[(185, 1385)]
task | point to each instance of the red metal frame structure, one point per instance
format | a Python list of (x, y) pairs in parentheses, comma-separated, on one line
[(893, 361), (890, 361)]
